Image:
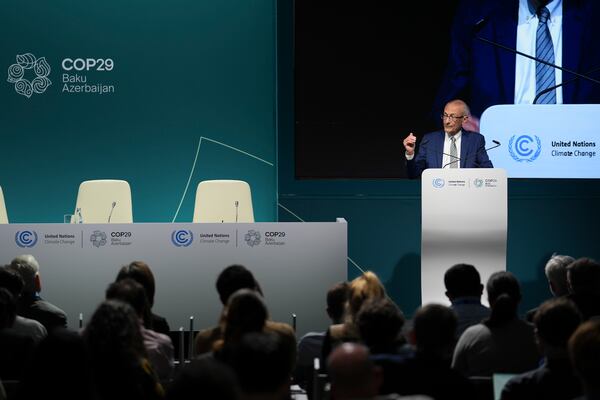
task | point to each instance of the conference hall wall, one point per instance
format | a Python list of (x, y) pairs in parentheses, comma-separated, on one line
[(384, 215), (156, 93)]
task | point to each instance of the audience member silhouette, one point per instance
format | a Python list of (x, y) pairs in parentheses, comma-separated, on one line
[(352, 373), (12, 281), (555, 321), (204, 379), (30, 304), (158, 346), (583, 276), (311, 344), (379, 323), (584, 352), (15, 349), (60, 369), (262, 363), (503, 343), (120, 365), (464, 290), (140, 272), (428, 370), (230, 280), (556, 274), (246, 313), (364, 287)]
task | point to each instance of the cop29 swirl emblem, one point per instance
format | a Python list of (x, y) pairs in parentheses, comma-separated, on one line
[(26, 238), (18, 74), (525, 148), (252, 238), (182, 238)]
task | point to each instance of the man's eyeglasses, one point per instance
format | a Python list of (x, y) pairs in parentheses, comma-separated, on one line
[(451, 117)]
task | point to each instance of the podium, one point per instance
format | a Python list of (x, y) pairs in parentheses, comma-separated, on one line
[(463, 220)]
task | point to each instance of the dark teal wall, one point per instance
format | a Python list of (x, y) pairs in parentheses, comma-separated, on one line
[(384, 217), (183, 69)]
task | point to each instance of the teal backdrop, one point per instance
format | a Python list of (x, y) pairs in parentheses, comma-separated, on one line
[(384, 216), (182, 70)]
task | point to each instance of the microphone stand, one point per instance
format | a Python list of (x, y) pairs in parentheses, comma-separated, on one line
[(496, 144), (551, 88)]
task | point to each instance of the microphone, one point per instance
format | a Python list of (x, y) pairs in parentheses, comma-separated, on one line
[(551, 88), (237, 203), (78, 211), (114, 203), (496, 144), (483, 21)]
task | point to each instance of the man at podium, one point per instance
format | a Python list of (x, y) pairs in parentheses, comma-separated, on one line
[(451, 147)]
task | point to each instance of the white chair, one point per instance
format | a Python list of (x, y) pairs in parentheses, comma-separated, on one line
[(223, 201), (103, 201), (3, 215)]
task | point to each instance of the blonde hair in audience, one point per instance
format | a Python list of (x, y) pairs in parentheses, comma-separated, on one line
[(366, 286)]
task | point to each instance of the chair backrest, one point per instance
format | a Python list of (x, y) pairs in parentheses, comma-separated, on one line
[(3, 215), (103, 201), (223, 201)]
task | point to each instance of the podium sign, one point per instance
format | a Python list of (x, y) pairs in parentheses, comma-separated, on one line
[(545, 141), (464, 220)]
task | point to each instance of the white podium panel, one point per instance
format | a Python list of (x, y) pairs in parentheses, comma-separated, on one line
[(464, 220), (295, 263), (545, 141)]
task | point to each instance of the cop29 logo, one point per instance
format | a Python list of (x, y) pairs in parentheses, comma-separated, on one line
[(17, 74), (182, 238), (26, 238), (252, 238), (524, 148)]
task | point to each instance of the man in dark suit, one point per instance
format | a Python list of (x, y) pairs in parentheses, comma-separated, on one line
[(485, 75), (452, 147), (30, 304)]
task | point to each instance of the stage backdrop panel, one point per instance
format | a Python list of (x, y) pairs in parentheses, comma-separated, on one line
[(156, 93), (295, 264)]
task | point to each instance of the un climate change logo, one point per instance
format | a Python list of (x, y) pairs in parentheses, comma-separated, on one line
[(182, 238), (438, 183), (26, 238), (523, 149), (252, 238), (24, 86)]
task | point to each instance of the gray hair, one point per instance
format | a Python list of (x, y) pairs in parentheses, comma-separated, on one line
[(27, 266), (556, 273)]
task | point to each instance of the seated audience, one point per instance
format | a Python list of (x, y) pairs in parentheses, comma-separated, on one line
[(158, 346), (230, 280), (584, 352), (464, 290), (311, 344), (30, 304), (120, 366), (15, 349), (379, 323), (263, 365), (556, 274), (555, 321), (60, 369), (12, 281), (427, 371), (583, 276), (366, 286), (140, 272), (204, 379), (503, 343)]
